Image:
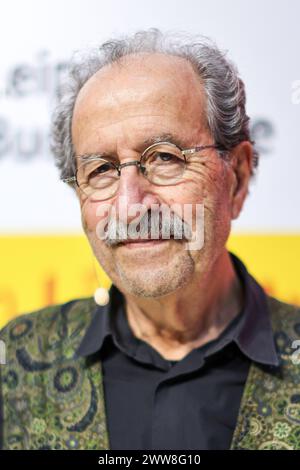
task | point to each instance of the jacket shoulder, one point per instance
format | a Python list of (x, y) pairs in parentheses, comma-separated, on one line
[(51, 328), (283, 311), (285, 319)]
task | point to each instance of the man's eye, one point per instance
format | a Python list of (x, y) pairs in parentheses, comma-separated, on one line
[(165, 157), (100, 170)]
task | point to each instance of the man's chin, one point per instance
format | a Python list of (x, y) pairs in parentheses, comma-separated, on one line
[(156, 282), (154, 291)]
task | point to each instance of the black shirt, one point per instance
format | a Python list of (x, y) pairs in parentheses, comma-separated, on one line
[(193, 403)]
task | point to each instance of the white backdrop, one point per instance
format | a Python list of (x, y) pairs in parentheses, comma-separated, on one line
[(37, 38)]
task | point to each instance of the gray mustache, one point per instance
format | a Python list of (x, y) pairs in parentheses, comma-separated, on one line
[(150, 225)]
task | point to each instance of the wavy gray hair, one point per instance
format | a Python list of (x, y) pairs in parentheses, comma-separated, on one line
[(225, 91)]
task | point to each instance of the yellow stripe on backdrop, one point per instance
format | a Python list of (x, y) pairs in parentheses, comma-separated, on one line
[(36, 271)]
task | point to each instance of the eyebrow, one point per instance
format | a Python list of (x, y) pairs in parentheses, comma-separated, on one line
[(166, 137), (154, 139), (90, 156)]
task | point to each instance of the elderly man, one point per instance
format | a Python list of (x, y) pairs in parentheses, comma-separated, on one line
[(188, 352)]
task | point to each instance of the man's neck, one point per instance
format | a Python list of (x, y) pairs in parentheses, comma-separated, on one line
[(191, 316)]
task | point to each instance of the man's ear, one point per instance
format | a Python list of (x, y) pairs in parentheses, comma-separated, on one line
[(242, 162)]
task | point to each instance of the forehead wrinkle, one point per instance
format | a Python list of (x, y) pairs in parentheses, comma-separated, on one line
[(135, 86), (93, 111)]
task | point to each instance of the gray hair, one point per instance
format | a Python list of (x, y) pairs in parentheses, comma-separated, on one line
[(225, 91)]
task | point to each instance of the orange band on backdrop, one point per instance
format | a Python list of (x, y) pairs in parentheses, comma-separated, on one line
[(36, 271)]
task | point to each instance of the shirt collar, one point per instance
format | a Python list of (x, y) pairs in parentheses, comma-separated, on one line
[(254, 335)]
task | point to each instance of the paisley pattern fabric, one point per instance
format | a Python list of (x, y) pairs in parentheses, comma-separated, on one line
[(269, 417), (52, 400)]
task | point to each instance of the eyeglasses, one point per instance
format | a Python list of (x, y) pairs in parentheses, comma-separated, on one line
[(162, 163)]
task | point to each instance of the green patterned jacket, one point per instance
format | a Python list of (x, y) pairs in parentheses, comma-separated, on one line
[(50, 400)]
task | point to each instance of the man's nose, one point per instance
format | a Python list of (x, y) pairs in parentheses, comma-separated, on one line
[(134, 189)]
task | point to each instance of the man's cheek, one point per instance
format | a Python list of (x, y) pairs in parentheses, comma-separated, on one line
[(90, 216)]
